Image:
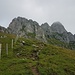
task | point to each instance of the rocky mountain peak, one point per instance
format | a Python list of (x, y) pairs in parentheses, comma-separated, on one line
[(57, 22), (71, 36), (58, 27), (45, 25), (30, 28), (3, 29), (20, 25)]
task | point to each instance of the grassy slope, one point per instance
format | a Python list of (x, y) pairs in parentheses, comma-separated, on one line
[(52, 60)]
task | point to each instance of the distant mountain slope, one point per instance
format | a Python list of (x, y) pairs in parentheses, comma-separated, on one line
[(27, 28)]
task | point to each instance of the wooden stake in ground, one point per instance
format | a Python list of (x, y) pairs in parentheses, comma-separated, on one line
[(12, 44), (16, 38), (7, 49), (0, 50)]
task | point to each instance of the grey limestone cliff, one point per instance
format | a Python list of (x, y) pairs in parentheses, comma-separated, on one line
[(58, 27), (27, 28), (60, 33), (22, 26), (3, 29), (47, 29)]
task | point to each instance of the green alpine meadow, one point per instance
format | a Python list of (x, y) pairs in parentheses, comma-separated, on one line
[(33, 57)]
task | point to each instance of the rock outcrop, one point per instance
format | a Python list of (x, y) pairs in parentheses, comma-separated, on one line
[(29, 28), (47, 29), (40, 35), (22, 26), (3, 29), (58, 27), (60, 33)]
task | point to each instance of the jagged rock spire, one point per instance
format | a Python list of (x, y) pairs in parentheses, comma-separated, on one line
[(58, 27)]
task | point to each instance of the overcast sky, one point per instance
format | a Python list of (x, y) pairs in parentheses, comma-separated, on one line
[(39, 10)]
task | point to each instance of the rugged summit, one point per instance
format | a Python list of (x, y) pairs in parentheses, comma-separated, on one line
[(3, 29), (58, 27), (47, 29), (21, 26), (29, 28)]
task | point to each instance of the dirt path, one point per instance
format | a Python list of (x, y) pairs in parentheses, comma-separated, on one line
[(34, 69)]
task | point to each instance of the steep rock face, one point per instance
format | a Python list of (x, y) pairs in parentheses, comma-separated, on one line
[(46, 27), (71, 36), (15, 26), (29, 28), (47, 30), (65, 37), (22, 26), (60, 33), (62, 37), (3, 29), (40, 35), (58, 27)]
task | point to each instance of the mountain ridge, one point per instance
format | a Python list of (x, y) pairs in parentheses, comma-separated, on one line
[(31, 29), (24, 26)]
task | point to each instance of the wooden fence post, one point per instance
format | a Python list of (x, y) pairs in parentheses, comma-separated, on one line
[(7, 49), (12, 44), (0, 50), (16, 38)]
